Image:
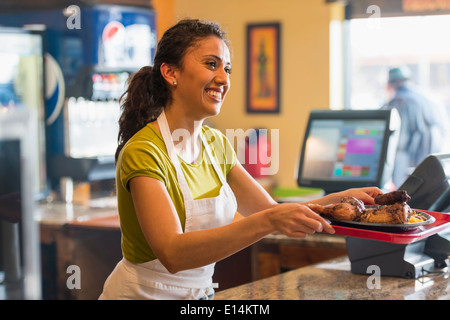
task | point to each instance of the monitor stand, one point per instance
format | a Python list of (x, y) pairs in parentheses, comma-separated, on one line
[(399, 260), (438, 247)]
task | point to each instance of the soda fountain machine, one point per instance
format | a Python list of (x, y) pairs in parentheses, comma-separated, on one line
[(92, 47)]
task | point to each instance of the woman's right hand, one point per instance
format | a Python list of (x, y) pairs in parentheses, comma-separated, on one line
[(297, 220)]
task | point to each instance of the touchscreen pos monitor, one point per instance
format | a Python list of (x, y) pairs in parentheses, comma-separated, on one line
[(348, 148)]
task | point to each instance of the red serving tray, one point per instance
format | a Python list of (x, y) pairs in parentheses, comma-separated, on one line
[(442, 222)]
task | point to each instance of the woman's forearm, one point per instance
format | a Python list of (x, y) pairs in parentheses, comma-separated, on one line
[(250, 195), (185, 252)]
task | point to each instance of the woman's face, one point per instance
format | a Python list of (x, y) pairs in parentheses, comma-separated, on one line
[(203, 80)]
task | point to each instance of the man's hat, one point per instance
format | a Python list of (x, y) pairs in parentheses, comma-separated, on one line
[(399, 73)]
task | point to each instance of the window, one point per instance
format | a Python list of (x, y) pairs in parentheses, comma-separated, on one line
[(420, 42)]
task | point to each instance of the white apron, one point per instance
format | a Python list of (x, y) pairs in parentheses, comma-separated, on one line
[(151, 280)]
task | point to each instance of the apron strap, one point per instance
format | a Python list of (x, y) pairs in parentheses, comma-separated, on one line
[(213, 161), (167, 137), (168, 141)]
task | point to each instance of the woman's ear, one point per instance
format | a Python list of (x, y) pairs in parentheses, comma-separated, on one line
[(169, 73)]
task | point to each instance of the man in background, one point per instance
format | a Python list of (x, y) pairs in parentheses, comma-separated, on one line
[(424, 128)]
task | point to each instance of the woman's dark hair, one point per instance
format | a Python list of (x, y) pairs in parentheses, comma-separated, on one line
[(147, 91)]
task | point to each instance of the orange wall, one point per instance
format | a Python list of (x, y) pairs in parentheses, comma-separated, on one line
[(305, 80), (165, 15)]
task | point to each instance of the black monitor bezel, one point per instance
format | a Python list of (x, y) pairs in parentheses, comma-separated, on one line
[(335, 186)]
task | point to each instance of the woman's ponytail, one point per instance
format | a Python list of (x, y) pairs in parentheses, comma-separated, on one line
[(139, 105)]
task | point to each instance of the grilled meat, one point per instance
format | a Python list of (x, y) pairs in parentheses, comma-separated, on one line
[(392, 197), (399, 212), (359, 205), (348, 209), (392, 209)]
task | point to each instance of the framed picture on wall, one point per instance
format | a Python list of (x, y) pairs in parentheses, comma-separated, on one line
[(263, 68)]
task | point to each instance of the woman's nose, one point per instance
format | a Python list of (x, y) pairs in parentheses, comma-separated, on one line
[(222, 77)]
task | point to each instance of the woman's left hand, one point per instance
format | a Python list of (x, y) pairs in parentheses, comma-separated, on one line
[(366, 195)]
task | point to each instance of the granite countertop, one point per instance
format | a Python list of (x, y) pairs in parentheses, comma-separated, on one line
[(318, 239), (333, 280), (60, 213)]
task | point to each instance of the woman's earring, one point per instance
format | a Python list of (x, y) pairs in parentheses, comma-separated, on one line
[(174, 82)]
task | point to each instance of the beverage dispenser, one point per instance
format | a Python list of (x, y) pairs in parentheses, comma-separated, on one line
[(92, 47)]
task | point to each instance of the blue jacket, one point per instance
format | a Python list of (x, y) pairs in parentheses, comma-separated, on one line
[(423, 130)]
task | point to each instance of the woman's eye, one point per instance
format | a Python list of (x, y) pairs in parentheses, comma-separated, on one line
[(213, 65)]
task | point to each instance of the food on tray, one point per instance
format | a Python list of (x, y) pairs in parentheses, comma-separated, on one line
[(392, 209), (416, 218), (392, 197), (398, 212), (348, 209)]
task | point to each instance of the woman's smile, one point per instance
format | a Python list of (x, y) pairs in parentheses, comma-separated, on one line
[(215, 94)]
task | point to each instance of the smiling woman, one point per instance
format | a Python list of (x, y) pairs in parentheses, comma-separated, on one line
[(179, 184)]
